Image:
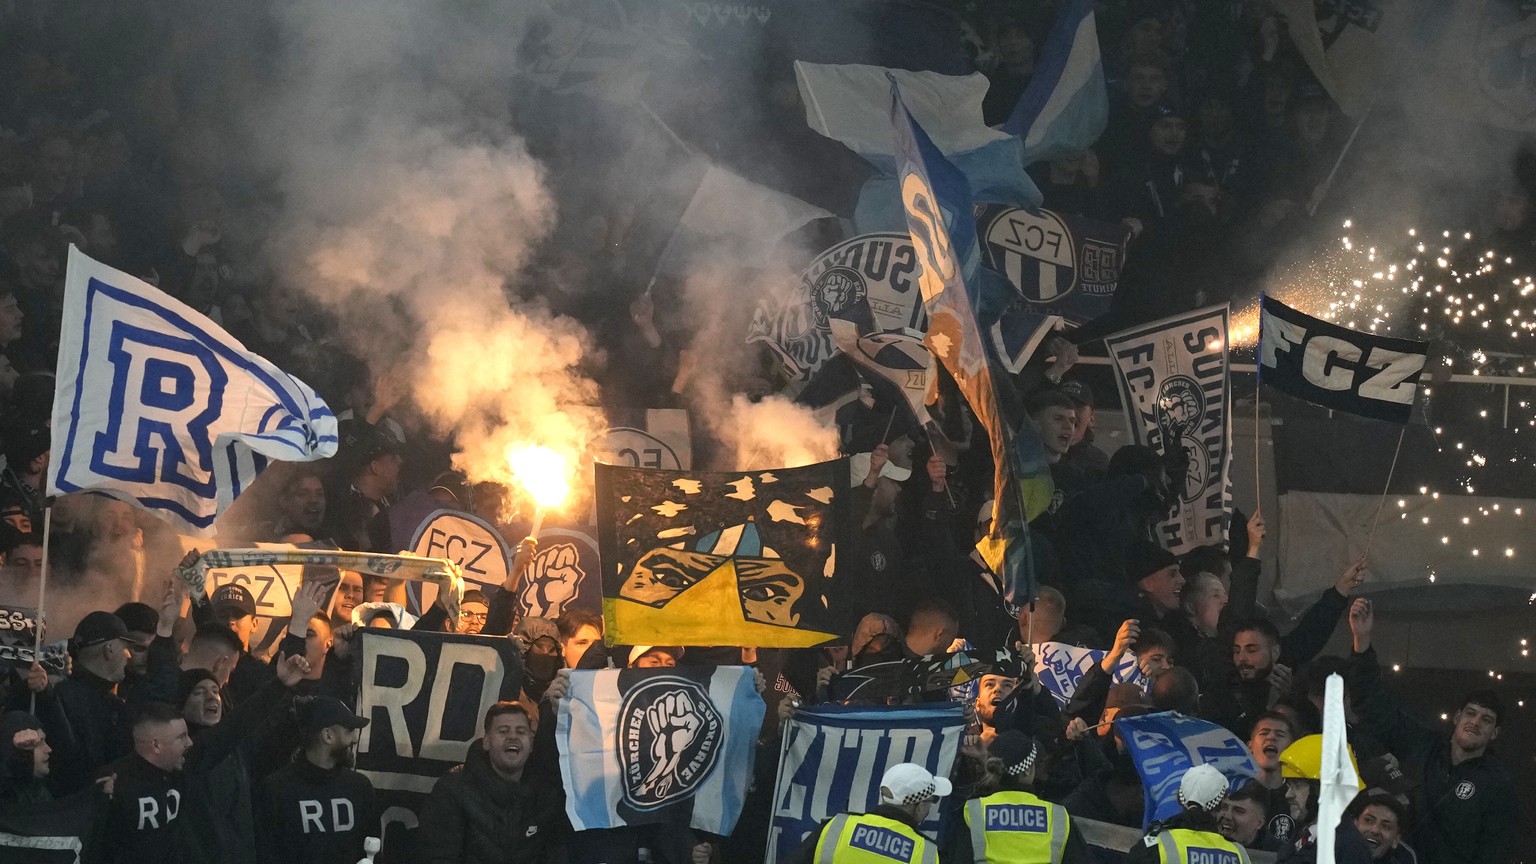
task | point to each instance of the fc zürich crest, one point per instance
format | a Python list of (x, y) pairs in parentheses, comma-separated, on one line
[(670, 735)]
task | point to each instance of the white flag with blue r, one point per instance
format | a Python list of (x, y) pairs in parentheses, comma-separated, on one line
[(155, 403)]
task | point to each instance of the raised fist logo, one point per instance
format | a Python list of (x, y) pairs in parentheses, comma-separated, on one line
[(669, 740), (674, 721), (554, 579)]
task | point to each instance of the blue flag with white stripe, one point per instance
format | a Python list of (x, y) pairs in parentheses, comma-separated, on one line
[(942, 224), (156, 404), (1165, 745), (1066, 106), (834, 756), (641, 746)]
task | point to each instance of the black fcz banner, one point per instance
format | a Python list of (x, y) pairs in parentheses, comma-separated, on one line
[(1335, 367)]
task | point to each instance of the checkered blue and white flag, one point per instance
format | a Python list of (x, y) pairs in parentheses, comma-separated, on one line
[(157, 404), (670, 745)]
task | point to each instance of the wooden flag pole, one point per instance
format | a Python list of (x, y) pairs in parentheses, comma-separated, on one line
[(1371, 537), (42, 593)]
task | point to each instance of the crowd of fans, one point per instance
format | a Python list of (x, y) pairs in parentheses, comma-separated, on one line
[(1218, 142)]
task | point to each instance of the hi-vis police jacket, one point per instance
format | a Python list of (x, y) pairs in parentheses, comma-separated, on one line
[(1016, 828), (872, 839), (1183, 846)]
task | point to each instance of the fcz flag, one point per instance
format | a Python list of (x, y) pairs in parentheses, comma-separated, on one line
[(1335, 367), (940, 219), (156, 404), (1167, 744), (641, 746), (738, 558)]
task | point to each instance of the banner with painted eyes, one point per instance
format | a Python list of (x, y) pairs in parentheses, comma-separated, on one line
[(738, 558)]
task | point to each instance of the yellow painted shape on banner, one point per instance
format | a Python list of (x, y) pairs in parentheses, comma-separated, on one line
[(708, 612)]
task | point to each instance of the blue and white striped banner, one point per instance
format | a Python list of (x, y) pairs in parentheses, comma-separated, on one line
[(640, 746), (834, 757), (156, 404), (1165, 745), (1060, 668)]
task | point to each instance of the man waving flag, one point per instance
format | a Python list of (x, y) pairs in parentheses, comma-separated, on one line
[(157, 404), (938, 206)]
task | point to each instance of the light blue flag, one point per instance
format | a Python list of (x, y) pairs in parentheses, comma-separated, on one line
[(943, 228), (642, 746), (849, 103), (1065, 107), (158, 405), (1165, 745)]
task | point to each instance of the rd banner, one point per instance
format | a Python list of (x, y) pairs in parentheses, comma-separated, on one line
[(833, 758), (1175, 381), (425, 694)]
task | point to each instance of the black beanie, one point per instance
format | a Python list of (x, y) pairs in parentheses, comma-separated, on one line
[(138, 617), (186, 681)]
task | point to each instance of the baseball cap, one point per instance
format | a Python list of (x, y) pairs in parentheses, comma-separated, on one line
[(1202, 786), (1078, 391), (909, 783), (325, 711), (1146, 558), (231, 598), (24, 442), (639, 651), (99, 627)]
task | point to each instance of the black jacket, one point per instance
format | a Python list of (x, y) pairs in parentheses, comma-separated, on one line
[(475, 815), (146, 820), (336, 805), (1465, 813), (87, 725)]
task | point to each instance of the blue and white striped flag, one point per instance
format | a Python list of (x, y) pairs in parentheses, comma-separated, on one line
[(156, 404), (640, 746), (1065, 107), (1165, 745), (1060, 667)]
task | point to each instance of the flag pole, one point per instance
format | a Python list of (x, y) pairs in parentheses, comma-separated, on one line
[(42, 593), (1371, 537)]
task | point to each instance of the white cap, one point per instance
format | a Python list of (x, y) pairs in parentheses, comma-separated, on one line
[(638, 651), (1202, 786), (909, 783)]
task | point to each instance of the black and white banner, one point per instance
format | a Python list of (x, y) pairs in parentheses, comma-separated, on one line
[(879, 270), (18, 641), (1175, 382), (1335, 367), (425, 694)]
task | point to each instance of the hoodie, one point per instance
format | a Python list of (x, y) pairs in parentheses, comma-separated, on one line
[(314, 815), (475, 815)]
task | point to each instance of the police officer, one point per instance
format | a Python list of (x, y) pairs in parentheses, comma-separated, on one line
[(1190, 837), (1011, 825), (886, 834)]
